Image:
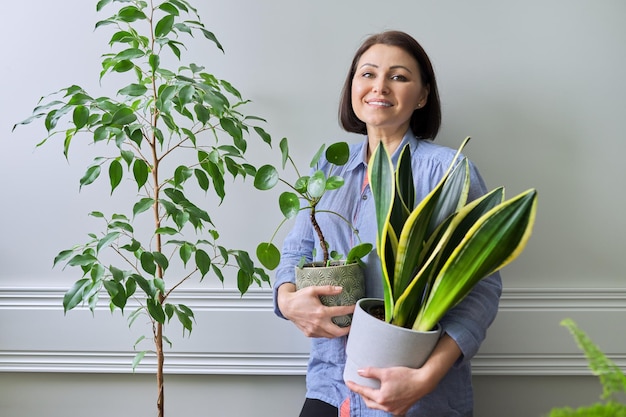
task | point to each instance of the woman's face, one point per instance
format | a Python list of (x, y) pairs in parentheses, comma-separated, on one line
[(386, 89)]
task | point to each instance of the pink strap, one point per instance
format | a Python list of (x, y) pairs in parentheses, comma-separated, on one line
[(344, 410)]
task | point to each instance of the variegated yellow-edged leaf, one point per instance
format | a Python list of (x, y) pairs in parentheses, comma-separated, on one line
[(496, 239), (381, 179)]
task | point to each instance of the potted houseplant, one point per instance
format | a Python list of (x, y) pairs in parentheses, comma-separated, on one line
[(433, 253), (611, 378), (304, 193), (161, 117)]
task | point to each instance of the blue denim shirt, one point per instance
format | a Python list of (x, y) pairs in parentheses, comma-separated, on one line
[(467, 323)]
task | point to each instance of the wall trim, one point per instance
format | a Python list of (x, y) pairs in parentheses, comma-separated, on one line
[(515, 301)]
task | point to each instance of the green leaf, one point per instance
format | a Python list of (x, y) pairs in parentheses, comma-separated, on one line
[(101, 4), (266, 177), (147, 263), (92, 173), (185, 318), (202, 113), (123, 116), (284, 151), (496, 239), (115, 174), (160, 285), (264, 135), (130, 53), (121, 36), (134, 90), (334, 182), (210, 36), (140, 172), (130, 14), (147, 286), (161, 260), (218, 272), (203, 180), (185, 95), (166, 231), (63, 255), (156, 310), (611, 376), (203, 262), (74, 295), (338, 153), (233, 129), (185, 252), (289, 204), (107, 240), (169, 8), (164, 26), (117, 292), (80, 116), (381, 179), (123, 66), (154, 62), (317, 156), (268, 254), (358, 252), (137, 359), (244, 280), (182, 174), (142, 205), (317, 184), (218, 179)]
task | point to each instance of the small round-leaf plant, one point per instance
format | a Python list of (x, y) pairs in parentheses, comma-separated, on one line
[(163, 116), (304, 193)]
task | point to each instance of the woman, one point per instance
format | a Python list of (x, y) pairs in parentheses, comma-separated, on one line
[(390, 95)]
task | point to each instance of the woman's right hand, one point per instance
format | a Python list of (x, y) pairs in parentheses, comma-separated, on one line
[(305, 310)]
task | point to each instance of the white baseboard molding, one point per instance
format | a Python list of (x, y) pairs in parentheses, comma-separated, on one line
[(241, 335)]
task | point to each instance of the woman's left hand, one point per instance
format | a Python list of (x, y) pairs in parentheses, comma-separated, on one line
[(401, 387)]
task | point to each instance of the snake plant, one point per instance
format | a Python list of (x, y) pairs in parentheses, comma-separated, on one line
[(432, 254)]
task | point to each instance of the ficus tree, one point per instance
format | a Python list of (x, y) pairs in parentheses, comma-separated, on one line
[(163, 115)]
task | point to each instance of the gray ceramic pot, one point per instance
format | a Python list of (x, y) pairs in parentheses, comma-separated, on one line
[(349, 277), (374, 342)]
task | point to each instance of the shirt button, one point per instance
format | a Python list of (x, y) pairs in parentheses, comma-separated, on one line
[(364, 196)]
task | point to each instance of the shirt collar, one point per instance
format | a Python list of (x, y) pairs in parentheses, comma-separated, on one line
[(409, 138)]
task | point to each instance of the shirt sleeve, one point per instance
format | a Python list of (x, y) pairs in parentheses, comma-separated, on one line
[(297, 245)]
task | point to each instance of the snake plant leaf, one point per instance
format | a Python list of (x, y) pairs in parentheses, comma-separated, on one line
[(461, 223), (436, 251), (404, 179), (496, 239), (381, 178), (453, 194), (404, 200), (441, 202)]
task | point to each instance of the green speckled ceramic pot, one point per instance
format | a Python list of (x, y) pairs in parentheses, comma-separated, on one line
[(349, 277)]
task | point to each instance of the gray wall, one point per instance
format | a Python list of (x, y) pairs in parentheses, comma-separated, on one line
[(538, 85)]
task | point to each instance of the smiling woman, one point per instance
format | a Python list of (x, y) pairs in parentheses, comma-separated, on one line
[(391, 97), (386, 90), (541, 93)]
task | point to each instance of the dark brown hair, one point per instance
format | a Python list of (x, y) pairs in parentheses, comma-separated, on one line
[(425, 122)]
